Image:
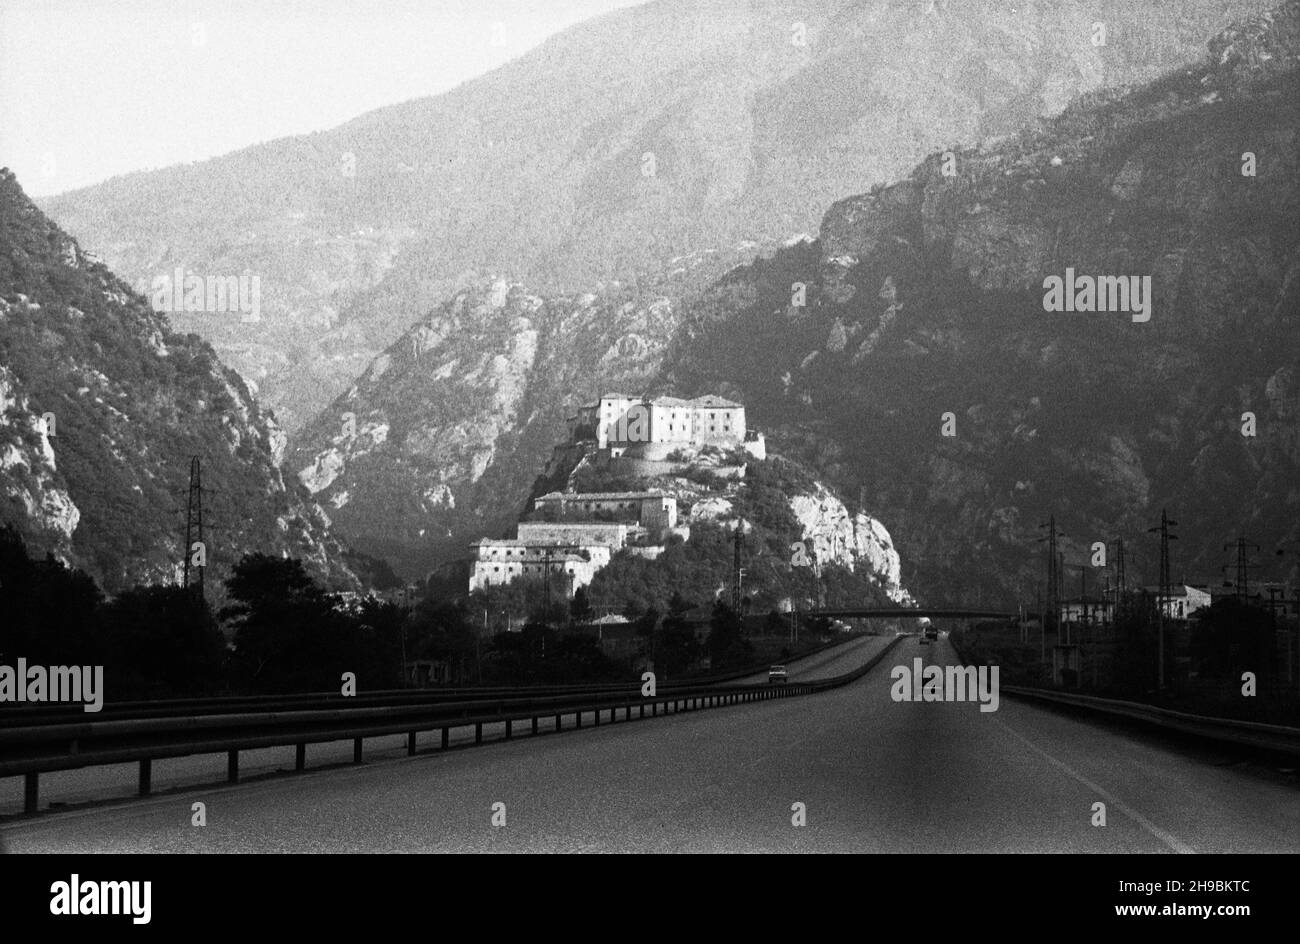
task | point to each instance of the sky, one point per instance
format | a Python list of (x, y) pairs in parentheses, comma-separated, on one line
[(90, 89)]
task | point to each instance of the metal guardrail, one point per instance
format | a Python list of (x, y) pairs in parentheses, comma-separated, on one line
[(31, 714), (31, 750), (1274, 738)]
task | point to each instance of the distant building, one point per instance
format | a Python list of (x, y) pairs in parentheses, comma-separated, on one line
[(654, 511), (497, 562), (1183, 600), (1087, 609), (616, 422), (585, 533)]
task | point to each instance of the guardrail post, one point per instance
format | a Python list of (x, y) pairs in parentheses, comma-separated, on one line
[(146, 776), (410, 743), (356, 750), (577, 718), (478, 732), (31, 793), (534, 724), (642, 707), (596, 716), (557, 722), (509, 725), (232, 766), (300, 757)]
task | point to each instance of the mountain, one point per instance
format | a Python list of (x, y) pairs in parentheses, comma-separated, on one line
[(659, 131), (924, 312), (102, 406), (438, 442)]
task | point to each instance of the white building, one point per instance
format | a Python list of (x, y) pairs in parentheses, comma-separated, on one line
[(1183, 600), (654, 511), (617, 422), (497, 562)]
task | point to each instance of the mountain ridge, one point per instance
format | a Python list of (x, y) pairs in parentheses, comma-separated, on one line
[(754, 116), (102, 406)]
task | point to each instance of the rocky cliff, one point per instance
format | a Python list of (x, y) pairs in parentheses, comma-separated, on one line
[(102, 406), (908, 355), (438, 443)]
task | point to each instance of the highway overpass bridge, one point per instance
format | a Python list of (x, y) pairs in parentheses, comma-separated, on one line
[(932, 612)]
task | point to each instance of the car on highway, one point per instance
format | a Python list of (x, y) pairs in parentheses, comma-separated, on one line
[(777, 674), (931, 634)]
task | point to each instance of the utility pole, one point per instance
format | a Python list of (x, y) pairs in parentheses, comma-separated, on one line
[(1121, 578), (1042, 623), (1165, 593), (546, 591), (194, 530), (1053, 574), (1060, 575), (737, 572)]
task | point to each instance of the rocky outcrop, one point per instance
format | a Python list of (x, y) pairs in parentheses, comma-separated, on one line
[(439, 441), (28, 473), (857, 541)]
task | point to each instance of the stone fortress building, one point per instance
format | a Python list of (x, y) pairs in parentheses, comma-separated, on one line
[(618, 423), (579, 532), (571, 550)]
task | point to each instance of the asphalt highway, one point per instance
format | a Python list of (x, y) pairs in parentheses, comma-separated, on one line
[(872, 775), (71, 788)]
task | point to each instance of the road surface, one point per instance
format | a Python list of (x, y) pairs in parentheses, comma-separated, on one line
[(66, 788), (873, 775)]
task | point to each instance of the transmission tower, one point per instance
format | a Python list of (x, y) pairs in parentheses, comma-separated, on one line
[(1244, 567), (1121, 576), (1054, 568), (1165, 592), (194, 530)]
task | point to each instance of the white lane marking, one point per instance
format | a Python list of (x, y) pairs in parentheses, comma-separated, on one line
[(1173, 842)]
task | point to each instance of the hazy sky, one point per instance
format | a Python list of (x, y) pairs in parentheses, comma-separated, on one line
[(94, 88)]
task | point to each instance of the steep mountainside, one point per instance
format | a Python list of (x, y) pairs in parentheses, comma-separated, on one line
[(101, 407), (450, 426), (928, 297), (654, 132)]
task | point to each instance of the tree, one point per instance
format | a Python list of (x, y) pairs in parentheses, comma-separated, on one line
[(287, 636), (580, 607), (47, 612), (440, 631), (1230, 637), (676, 648), (162, 642), (727, 647)]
